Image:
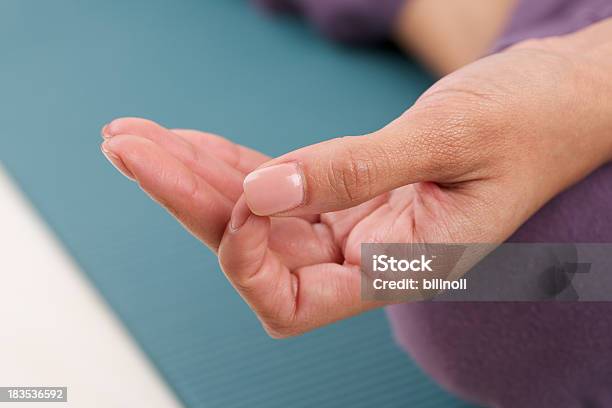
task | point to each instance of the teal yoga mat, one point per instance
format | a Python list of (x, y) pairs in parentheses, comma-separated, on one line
[(67, 67)]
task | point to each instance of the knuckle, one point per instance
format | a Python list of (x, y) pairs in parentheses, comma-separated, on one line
[(189, 188), (353, 174), (184, 189)]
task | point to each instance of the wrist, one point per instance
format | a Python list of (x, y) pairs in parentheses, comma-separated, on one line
[(565, 109), (587, 57)]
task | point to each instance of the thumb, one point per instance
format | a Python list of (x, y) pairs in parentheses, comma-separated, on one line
[(343, 172)]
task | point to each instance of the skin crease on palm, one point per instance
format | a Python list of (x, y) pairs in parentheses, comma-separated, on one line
[(470, 161)]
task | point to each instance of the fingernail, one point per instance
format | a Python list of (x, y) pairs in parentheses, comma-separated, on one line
[(274, 189), (240, 215), (104, 132), (116, 161)]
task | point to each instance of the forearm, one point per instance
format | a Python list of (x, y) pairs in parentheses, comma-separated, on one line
[(588, 108)]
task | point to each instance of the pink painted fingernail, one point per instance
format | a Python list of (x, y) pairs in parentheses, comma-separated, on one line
[(274, 189), (116, 161)]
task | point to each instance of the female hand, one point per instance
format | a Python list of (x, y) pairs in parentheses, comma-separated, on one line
[(475, 156)]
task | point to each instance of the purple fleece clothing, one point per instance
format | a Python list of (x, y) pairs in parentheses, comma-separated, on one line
[(544, 355)]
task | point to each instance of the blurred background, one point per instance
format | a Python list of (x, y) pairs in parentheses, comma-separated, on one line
[(67, 67)]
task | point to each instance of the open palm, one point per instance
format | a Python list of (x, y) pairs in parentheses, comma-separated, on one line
[(470, 161), (297, 273)]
